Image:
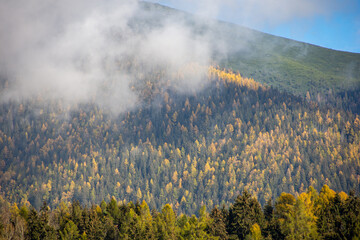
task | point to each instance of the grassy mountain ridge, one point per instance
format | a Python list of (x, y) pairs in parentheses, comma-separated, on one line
[(286, 64)]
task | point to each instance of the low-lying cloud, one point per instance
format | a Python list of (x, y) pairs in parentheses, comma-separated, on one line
[(90, 49)]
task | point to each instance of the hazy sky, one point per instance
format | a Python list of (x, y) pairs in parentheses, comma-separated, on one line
[(329, 23)]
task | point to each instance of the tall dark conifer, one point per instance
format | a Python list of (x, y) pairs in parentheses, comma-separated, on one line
[(218, 226), (245, 212)]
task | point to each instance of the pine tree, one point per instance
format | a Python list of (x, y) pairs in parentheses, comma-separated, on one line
[(70, 231), (36, 228), (218, 226), (351, 216), (245, 212), (329, 223)]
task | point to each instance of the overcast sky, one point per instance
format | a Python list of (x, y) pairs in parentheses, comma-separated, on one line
[(329, 23)]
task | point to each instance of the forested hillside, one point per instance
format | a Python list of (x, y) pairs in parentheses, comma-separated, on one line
[(141, 108), (311, 215), (188, 149)]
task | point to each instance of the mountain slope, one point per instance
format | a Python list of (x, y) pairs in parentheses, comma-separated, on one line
[(200, 146), (187, 150), (283, 63)]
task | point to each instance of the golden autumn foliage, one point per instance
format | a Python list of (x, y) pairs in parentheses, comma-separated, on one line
[(185, 149)]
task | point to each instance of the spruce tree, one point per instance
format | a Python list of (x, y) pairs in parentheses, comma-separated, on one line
[(218, 226), (245, 212)]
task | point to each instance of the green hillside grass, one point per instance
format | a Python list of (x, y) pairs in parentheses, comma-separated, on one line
[(298, 67), (283, 63)]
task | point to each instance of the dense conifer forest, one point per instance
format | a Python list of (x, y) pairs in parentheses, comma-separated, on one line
[(184, 149), (310, 215)]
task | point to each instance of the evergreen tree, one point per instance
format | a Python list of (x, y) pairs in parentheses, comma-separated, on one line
[(70, 231), (166, 223), (218, 225), (36, 228), (268, 211), (245, 212), (352, 216), (329, 223)]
